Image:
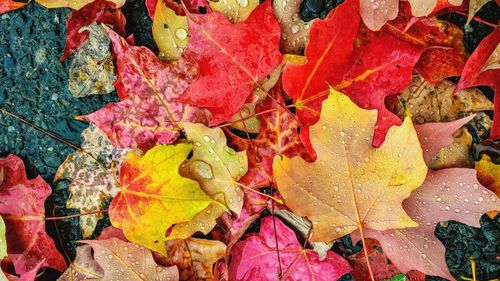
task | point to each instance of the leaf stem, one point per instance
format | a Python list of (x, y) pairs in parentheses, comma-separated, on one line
[(478, 19), (76, 215), (279, 201), (360, 226)]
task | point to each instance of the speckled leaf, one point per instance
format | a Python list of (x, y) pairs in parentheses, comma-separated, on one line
[(295, 32), (194, 257), (84, 267), (154, 196), (93, 173), (170, 32), (228, 70), (375, 13), (98, 11), (127, 261), (255, 258), (73, 4), (23, 211), (150, 108), (352, 184), (215, 166), (92, 70), (234, 10), (428, 103)]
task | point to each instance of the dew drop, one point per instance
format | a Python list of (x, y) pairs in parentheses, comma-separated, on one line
[(206, 138), (242, 3), (181, 34), (211, 150), (295, 28)]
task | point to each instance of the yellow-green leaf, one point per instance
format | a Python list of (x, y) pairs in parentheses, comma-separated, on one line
[(154, 196), (352, 184)]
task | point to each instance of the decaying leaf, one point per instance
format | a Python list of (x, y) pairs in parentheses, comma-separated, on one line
[(92, 70), (428, 103), (151, 185), (234, 10), (93, 172), (352, 184), (150, 107), (84, 267), (194, 257), (255, 258), (98, 11), (455, 155), (121, 260), (23, 211), (295, 32), (170, 32)]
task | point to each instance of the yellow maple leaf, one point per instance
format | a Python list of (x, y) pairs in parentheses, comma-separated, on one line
[(154, 196), (352, 184)]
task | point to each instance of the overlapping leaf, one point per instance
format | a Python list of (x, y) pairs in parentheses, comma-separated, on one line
[(150, 108), (93, 172), (22, 208), (151, 185), (227, 70), (255, 258), (352, 184)]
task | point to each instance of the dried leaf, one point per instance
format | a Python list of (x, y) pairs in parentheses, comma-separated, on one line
[(488, 173), (92, 70), (93, 173)]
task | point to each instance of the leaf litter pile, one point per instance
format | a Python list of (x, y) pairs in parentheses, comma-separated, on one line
[(253, 140)]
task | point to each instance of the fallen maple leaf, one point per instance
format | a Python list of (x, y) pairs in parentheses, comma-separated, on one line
[(381, 68), (84, 267), (151, 185), (448, 194), (22, 208), (352, 184), (93, 172), (121, 260), (100, 11), (230, 68), (255, 258), (328, 58), (92, 69), (193, 257), (422, 8), (150, 109)]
